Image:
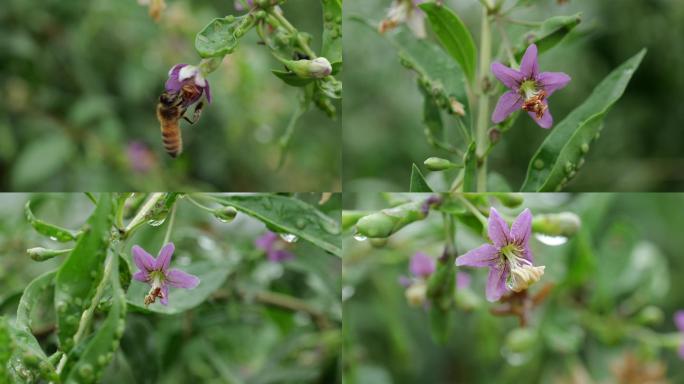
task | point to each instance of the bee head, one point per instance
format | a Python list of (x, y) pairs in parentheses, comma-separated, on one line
[(171, 99)]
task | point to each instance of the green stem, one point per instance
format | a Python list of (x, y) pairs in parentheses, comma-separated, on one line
[(282, 21), (483, 107), (473, 209), (142, 213), (169, 228), (198, 204)]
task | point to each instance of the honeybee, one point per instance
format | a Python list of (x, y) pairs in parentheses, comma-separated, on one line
[(170, 109)]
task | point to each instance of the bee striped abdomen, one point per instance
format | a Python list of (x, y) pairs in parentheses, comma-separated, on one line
[(170, 129)]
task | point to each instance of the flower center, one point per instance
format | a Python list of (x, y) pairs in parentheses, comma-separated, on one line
[(534, 98), (523, 273), (157, 278)]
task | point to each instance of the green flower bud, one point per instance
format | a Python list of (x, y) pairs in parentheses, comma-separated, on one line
[(565, 224), (437, 164), (317, 68), (350, 218), (42, 254), (388, 221)]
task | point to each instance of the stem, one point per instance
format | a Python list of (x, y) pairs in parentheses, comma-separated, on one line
[(280, 19), (507, 43), (87, 315), (169, 228), (483, 107), (197, 204), (144, 210), (473, 209)]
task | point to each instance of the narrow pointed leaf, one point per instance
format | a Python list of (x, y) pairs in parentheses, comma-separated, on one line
[(52, 231), (418, 182)]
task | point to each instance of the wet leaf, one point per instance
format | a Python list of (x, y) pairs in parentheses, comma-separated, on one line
[(332, 32), (52, 231)]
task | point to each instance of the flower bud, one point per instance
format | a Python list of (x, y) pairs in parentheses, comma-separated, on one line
[(437, 164), (564, 224), (42, 254), (416, 294), (389, 221), (317, 68)]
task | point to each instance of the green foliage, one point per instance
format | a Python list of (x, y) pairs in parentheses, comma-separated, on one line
[(563, 152), (52, 231), (218, 38), (551, 33), (418, 182), (332, 33)]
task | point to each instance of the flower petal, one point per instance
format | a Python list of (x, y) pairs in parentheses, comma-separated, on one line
[(546, 120), (164, 257), (496, 283), (165, 295), (208, 93), (553, 81), (521, 229), (143, 260), (187, 72), (679, 320), (180, 279), (173, 85), (279, 255), (265, 241), (141, 276), (485, 255), (510, 77), (508, 103), (421, 265), (497, 229), (529, 66)]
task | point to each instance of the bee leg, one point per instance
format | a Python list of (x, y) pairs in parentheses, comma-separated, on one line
[(195, 113)]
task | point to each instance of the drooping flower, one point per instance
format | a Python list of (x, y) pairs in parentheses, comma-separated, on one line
[(405, 11), (679, 322), (189, 80), (508, 258), (157, 274), (528, 89), (274, 246)]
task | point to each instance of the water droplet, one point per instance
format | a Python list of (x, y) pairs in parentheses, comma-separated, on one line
[(331, 227), (572, 175), (553, 241), (225, 214), (580, 163), (347, 292), (539, 163), (300, 223), (288, 237), (584, 148), (155, 222), (360, 237), (515, 358), (53, 238), (569, 167)]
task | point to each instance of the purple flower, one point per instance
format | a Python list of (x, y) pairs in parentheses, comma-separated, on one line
[(509, 258), (529, 89), (679, 322), (189, 80), (405, 11), (274, 246), (140, 157), (422, 265), (156, 273), (462, 280)]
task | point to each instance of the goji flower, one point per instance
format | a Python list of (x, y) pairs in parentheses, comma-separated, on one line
[(184, 77), (274, 246), (509, 258), (405, 11), (157, 274), (528, 89)]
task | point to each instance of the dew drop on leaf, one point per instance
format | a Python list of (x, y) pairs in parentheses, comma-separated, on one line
[(288, 237), (553, 241), (360, 237)]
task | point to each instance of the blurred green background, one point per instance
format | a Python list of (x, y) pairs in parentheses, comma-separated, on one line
[(626, 258), (80, 82), (641, 147), (235, 335)]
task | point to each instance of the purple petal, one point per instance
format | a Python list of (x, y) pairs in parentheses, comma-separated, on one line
[(265, 242), (173, 84), (553, 81), (510, 77), (521, 229), (462, 280), (679, 320), (208, 92), (421, 265), (279, 255), (405, 281), (141, 276), (165, 295), (546, 120), (179, 279), (508, 103), (497, 229), (496, 283), (164, 258), (529, 66), (143, 260), (485, 255)]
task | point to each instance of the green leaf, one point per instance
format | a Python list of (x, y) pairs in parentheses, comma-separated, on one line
[(100, 348), (332, 32), (211, 276), (288, 215), (81, 272), (470, 170), (549, 34), (418, 183), (54, 232), (453, 35), (41, 160), (563, 151), (291, 79), (218, 38)]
